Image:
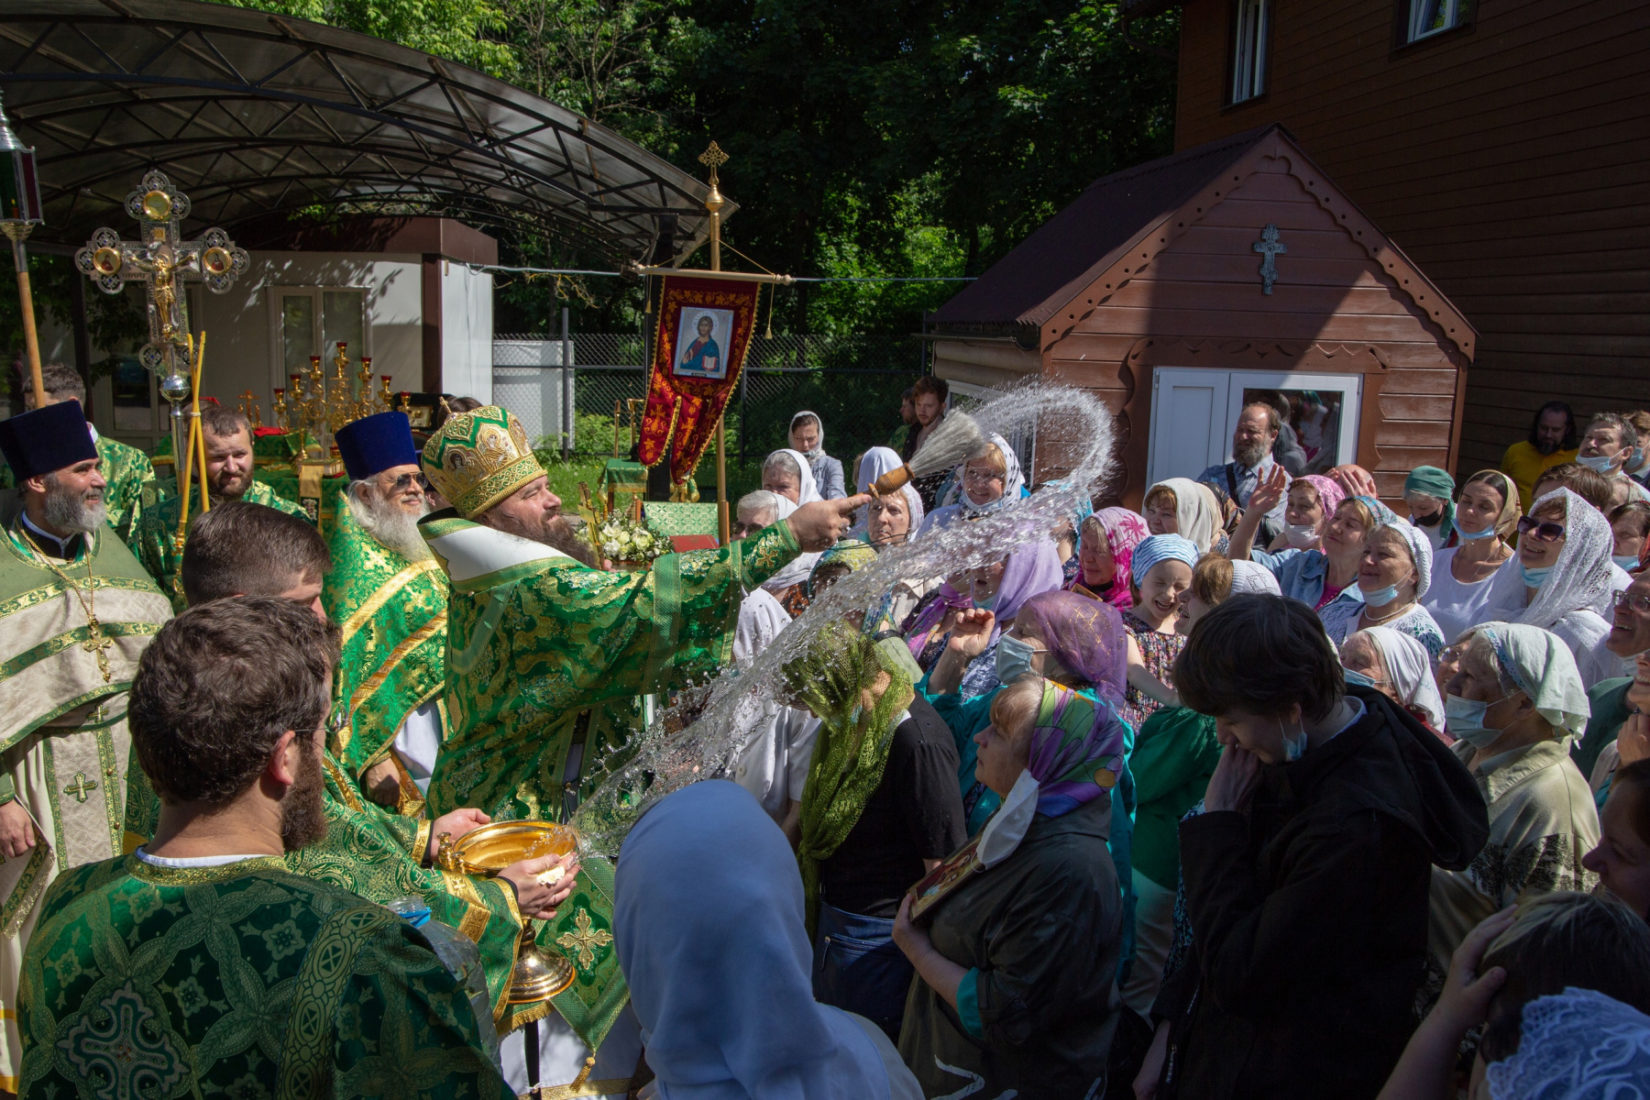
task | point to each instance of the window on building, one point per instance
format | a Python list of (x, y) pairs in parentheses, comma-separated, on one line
[(1430, 17), (1251, 21), (312, 321)]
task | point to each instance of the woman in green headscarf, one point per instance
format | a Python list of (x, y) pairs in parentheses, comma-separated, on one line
[(1430, 494), (881, 806)]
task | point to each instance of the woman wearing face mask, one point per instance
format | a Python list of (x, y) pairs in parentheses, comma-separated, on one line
[(1003, 589), (1327, 811), (1513, 708), (1017, 936), (1430, 492), (1162, 573), (1397, 666), (1315, 574), (1394, 574), (1105, 550), (808, 440), (1564, 579), (1485, 518), (1629, 525)]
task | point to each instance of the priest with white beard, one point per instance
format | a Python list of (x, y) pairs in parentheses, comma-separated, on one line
[(389, 596)]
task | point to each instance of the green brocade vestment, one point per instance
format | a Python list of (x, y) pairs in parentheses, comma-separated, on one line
[(238, 980), (393, 613), (63, 739), (546, 658), (154, 540), (376, 853)]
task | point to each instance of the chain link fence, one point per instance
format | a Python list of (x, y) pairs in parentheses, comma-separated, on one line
[(852, 383)]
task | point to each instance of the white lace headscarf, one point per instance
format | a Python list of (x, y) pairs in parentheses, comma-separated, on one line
[(1575, 1044), (1581, 578)]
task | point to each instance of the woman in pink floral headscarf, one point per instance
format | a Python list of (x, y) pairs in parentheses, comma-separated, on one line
[(1105, 547)]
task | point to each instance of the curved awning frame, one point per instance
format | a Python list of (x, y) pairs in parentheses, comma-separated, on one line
[(254, 115)]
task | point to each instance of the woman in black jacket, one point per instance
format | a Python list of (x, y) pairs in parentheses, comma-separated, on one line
[(1307, 874)]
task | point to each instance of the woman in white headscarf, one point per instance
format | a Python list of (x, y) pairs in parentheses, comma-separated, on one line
[(1514, 705), (1395, 572), (1181, 506), (908, 502), (808, 439), (708, 927), (1564, 579), (982, 485), (787, 473), (1397, 666)]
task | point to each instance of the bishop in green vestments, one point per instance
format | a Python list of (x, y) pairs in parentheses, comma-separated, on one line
[(388, 594), (229, 472), (76, 611), (547, 655), (199, 965)]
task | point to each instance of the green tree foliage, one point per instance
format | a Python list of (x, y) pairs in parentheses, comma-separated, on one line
[(922, 138)]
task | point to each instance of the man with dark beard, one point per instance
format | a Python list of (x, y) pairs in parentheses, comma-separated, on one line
[(230, 475), (76, 611), (1552, 442), (548, 655), (1253, 441), (390, 597), (199, 964)]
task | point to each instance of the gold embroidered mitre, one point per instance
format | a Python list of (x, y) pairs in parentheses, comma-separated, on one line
[(478, 458)]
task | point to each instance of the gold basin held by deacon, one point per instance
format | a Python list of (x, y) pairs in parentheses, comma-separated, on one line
[(488, 850)]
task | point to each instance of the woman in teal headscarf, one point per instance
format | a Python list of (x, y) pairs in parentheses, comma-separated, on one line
[(880, 807), (1016, 936)]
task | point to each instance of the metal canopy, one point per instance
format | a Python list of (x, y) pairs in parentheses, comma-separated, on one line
[(254, 114)]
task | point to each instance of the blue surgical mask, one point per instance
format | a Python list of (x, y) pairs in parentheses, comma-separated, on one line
[(1013, 659), (1601, 463), (1626, 561), (1294, 745), (986, 604), (1301, 536), (1380, 597), (1535, 578), (1354, 678), (1488, 532), (1465, 721)]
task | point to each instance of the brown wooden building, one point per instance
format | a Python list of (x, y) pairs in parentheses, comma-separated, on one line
[(1503, 143), (1151, 290)]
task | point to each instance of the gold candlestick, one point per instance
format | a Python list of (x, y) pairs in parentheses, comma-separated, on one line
[(278, 410), (385, 400)]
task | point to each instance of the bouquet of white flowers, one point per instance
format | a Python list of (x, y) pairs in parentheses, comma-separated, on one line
[(624, 540)]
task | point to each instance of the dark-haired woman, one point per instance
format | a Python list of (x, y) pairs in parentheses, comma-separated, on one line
[(1307, 875)]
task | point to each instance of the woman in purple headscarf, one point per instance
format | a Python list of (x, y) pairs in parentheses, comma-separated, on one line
[(1105, 549), (1001, 587)]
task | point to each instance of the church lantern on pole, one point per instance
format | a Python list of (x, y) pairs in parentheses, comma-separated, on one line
[(20, 212)]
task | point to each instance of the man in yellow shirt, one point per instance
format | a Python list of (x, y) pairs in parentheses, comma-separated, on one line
[(1552, 442)]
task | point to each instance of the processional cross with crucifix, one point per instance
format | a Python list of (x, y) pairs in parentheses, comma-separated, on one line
[(163, 262)]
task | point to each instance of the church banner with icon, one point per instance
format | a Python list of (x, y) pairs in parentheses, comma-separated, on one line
[(705, 326)]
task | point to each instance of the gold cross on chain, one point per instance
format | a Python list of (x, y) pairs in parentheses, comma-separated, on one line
[(97, 645)]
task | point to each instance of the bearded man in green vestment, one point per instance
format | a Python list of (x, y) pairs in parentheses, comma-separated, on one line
[(126, 470), (547, 654), (199, 964), (242, 550), (229, 476), (76, 611), (389, 596)]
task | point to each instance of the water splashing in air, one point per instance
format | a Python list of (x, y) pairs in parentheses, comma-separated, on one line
[(704, 734)]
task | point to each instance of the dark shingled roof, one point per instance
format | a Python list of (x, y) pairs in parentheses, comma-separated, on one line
[(1070, 250)]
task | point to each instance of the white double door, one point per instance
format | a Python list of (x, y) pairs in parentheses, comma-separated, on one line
[(1194, 411)]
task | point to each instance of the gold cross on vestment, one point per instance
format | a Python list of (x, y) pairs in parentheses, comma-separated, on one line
[(79, 787), (97, 644), (585, 940)]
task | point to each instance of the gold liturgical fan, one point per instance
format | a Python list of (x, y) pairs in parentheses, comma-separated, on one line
[(487, 851)]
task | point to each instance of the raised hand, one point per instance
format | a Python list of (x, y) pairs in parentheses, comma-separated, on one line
[(818, 525), (972, 632), (1269, 490)]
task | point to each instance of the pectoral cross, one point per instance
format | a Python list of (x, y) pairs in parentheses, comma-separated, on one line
[(1272, 248), (97, 645), (80, 786)]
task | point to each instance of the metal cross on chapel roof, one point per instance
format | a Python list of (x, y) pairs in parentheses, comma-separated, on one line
[(1272, 248)]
